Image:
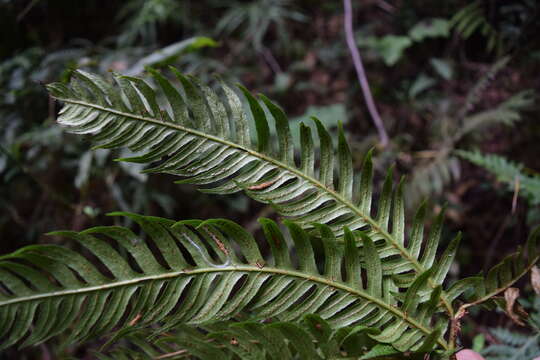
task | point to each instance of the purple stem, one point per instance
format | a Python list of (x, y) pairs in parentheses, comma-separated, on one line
[(357, 60)]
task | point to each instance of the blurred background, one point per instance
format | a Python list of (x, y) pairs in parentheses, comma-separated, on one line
[(454, 82)]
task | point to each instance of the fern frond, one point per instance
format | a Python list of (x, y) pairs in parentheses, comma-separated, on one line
[(431, 178), (471, 19), (507, 113), (506, 171), (205, 138), (475, 93), (198, 272), (501, 276), (313, 338)]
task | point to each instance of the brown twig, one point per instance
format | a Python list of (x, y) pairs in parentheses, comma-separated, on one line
[(386, 6), (271, 60), (172, 354), (26, 10), (516, 193), (360, 72)]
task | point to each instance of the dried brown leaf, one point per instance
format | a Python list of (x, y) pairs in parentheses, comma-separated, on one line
[(535, 279), (513, 309)]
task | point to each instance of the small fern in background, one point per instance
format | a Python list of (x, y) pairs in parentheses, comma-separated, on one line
[(470, 20), (513, 345), (142, 18), (503, 25), (256, 19), (517, 345), (511, 173), (441, 166)]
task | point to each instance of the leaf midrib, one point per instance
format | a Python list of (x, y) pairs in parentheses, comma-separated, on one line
[(340, 199), (242, 268)]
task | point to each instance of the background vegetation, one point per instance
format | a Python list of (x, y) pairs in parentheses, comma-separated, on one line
[(445, 76)]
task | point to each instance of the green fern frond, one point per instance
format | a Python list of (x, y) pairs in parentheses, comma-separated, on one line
[(204, 137), (474, 95), (508, 172), (507, 113), (470, 19), (431, 178), (501, 276), (198, 272), (312, 338)]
